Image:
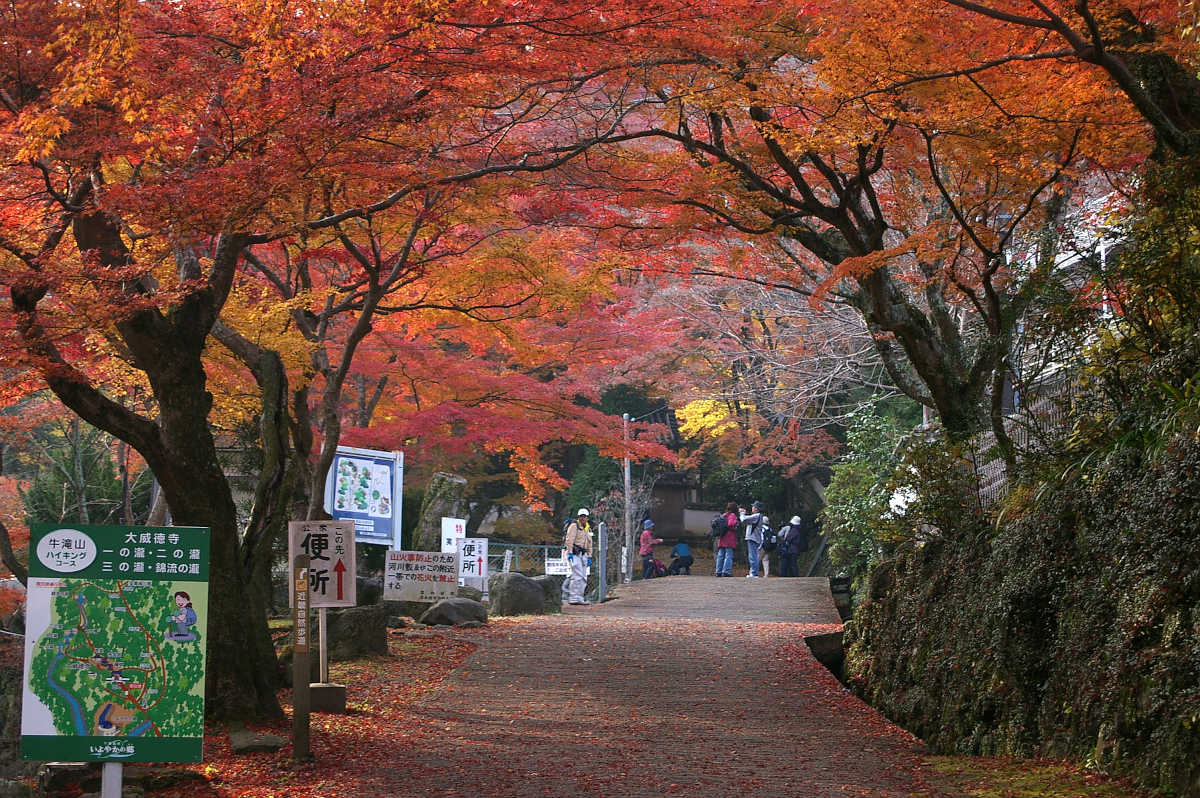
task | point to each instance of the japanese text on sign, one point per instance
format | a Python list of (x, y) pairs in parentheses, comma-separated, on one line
[(300, 614), (558, 565), (115, 639), (420, 576), (452, 530), (330, 549), (473, 558)]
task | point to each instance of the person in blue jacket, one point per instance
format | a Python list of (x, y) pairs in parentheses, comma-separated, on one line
[(681, 559)]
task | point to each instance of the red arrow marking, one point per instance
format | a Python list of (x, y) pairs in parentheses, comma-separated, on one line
[(481, 566), (339, 569)]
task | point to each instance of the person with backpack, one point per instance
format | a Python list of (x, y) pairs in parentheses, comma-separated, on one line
[(727, 540), (578, 543), (793, 540), (770, 542), (754, 523)]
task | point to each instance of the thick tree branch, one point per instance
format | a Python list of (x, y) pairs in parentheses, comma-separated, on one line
[(9, 558)]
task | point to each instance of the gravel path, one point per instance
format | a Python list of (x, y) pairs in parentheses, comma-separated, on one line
[(695, 686)]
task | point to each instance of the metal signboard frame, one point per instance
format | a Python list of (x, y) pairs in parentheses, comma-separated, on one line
[(366, 486)]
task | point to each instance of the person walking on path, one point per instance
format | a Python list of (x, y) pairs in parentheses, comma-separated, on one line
[(578, 544), (793, 539), (681, 559), (727, 542), (754, 537), (647, 549)]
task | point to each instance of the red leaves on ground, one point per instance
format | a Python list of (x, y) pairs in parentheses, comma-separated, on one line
[(578, 705), (350, 749)]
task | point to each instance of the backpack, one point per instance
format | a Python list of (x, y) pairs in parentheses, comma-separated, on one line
[(770, 539), (717, 527)]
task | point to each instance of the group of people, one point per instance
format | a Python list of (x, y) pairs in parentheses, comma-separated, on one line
[(681, 554), (578, 543), (788, 543)]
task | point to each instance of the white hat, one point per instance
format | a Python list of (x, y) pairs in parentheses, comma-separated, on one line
[(795, 520), (583, 511)]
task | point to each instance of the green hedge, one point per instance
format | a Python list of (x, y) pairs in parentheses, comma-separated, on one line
[(1072, 630)]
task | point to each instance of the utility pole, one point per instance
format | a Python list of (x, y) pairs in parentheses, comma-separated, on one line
[(602, 563), (627, 564)]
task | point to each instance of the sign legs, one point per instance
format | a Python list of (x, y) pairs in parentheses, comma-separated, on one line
[(110, 780), (301, 750)]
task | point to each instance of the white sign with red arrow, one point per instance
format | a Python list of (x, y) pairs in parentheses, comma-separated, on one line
[(472, 559), (332, 581)]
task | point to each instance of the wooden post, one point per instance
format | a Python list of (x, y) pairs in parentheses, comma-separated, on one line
[(301, 705), (322, 622)]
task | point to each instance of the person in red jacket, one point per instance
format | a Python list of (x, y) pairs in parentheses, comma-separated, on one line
[(728, 541), (647, 548)]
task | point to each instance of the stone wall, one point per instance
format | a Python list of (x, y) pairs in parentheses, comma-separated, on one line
[(1072, 631)]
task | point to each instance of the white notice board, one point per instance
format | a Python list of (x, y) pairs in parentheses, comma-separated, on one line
[(420, 576), (452, 530)]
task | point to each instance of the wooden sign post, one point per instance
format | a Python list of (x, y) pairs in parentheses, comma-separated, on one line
[(300, 666)]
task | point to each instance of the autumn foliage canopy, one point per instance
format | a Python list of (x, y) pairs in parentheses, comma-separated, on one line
[(447, 226)]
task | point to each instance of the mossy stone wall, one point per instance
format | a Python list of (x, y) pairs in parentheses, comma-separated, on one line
[(1072, 632)]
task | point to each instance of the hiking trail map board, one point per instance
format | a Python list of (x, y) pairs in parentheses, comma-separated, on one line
[(116, 623)]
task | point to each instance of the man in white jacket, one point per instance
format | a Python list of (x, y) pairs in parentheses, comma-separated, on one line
[(578, 544)]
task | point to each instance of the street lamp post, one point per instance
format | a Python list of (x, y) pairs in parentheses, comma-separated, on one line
[(627, 564)]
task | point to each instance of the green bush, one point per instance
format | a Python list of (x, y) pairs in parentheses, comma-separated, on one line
[(856, 517)]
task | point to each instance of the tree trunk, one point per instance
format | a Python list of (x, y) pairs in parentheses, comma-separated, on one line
[(126, 493), (168, 346), (241, 675), (77, 477), (277, 478), (953, 390), (9, 558)]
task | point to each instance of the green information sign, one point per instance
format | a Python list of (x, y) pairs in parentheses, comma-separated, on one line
[(116, 623)]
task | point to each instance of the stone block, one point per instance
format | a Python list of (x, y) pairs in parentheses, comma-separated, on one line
[(327, 697), (515, 594)]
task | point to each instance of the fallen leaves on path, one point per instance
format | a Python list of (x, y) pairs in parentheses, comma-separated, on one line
[(589, 706), (348, 749)]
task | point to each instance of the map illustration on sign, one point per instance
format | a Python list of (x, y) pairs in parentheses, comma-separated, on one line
[(362, 486), (367, 487), (115, 666)]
